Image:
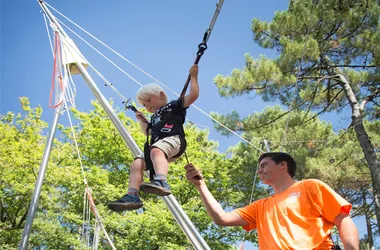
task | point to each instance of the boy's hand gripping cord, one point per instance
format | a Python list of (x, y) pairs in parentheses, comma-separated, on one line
[(134, 109)]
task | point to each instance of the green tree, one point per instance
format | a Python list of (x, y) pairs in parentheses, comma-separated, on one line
[(328, 60), (105, 160), (21, 152)]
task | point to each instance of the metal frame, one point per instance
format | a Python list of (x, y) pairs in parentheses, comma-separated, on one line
[(180, 216)]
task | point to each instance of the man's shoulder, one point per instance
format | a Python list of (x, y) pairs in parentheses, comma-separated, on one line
[(262, 200), (310, 182), (313, 185)]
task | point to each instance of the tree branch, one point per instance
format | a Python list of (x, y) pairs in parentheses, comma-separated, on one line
[(275, 119), (325, 108), (368, 98)]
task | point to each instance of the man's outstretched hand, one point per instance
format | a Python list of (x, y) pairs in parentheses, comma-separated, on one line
[(193, 175)]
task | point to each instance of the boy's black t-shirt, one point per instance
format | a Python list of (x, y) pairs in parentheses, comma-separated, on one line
[(168, 120)]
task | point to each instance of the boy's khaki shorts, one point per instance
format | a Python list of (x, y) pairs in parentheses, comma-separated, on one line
[(169, 145)]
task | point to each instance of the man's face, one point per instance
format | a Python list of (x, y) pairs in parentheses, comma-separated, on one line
[(269, 171)]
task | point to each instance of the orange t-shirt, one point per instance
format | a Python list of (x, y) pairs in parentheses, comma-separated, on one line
[(301, 217)]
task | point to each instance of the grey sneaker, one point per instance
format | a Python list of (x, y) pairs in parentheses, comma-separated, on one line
[(157, 187), (127, 202)]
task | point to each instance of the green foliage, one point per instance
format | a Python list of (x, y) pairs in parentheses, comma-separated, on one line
[(105, 160), (314, 39)]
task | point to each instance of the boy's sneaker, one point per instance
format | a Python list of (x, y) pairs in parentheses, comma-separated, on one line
[(157, 187), (127, 202)]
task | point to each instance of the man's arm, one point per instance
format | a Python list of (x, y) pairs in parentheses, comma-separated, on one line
[(194, 87), (347, 231), (214, 209)]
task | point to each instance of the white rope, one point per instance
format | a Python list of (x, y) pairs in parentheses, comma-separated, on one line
[(48, 33), (100, 53), (83, 216), (88, 210), (72, 91), (97, 216), (96, 236), (86, 222), (87, 215), (69, 85), (105, 45), (76, 145), (95, 70)]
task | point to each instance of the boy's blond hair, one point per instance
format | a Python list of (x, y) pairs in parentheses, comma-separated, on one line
[(148, 90)]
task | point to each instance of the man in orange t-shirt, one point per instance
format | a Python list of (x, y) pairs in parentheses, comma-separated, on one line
[(300, 215)]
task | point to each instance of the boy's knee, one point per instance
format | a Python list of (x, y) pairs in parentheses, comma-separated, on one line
[(138, 164), (154, 152)]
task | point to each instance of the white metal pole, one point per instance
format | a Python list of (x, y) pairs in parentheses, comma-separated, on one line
[(178, 213), (41, 175)]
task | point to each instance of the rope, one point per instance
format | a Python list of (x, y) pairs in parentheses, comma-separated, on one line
[(87, 189), (253, 189), (105, 57), (107, 83), (95, 212), (47, 31), (56, 62), (90, 203), (70, 89)]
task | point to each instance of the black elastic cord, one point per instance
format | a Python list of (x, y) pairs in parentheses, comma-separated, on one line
[(201, 50)]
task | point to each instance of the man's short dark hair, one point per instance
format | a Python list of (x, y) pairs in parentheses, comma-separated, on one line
[(279, 157)]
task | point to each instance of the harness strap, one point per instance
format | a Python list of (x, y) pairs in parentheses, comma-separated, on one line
[(148, 161)]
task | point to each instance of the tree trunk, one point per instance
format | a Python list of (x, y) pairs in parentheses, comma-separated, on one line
[(365, 143), (368, 221)]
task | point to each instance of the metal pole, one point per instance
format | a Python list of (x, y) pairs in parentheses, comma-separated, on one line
[(183, 224), (41, 175), (178, 214), (179, 209), (182, 219)]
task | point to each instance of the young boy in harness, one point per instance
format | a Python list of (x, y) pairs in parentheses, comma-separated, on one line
[(167, 141)]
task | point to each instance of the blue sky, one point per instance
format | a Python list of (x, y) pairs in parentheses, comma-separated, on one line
[(161, 37)]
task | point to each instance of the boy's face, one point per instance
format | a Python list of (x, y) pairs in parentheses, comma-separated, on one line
[(154, 102)]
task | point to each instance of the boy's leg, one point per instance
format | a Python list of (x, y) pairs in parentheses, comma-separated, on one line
[(159, 185), (136, 173), (131, 200), (160, 163)]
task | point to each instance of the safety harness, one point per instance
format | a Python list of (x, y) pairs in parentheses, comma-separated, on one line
[(165, 122)]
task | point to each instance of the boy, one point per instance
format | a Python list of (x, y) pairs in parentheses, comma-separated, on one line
[(167, 141)]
